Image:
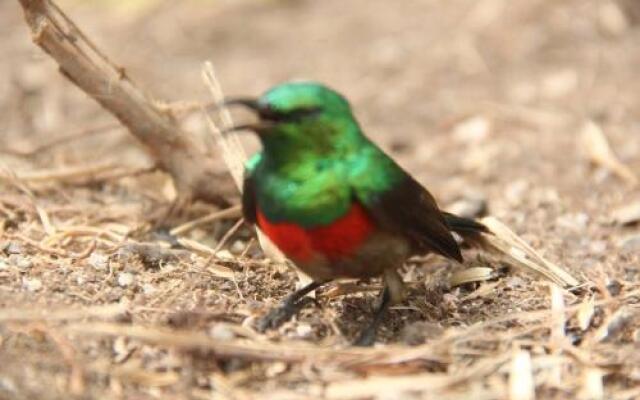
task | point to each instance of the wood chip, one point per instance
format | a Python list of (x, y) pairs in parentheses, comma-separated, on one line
[(627, 215), (593, 386), (586, 312), (469, 275), (558, 318), (521, 386)]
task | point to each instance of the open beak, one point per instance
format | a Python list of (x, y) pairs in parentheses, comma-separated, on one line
[(264, 114)]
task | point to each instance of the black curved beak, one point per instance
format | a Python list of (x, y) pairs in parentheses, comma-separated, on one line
[(264, 114), (247, 102)]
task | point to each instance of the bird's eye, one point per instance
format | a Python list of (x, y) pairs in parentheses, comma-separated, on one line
[(297, 114)]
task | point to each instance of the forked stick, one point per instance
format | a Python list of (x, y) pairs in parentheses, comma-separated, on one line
[(175, 151)]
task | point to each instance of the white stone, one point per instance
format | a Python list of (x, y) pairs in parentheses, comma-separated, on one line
[(98, 261), (32, 285), (125, 279)]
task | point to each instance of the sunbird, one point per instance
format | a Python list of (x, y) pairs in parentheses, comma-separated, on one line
[(334, 202)]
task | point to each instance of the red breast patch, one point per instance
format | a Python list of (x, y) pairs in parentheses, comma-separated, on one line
[(336, 240)]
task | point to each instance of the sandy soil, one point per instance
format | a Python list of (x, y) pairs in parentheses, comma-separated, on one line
[(481, 100)]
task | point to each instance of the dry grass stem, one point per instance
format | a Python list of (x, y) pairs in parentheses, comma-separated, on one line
[(29, 314), (234, 155), (522, 255), (64, 140), (68, 173), (231, 212), (12, 179)]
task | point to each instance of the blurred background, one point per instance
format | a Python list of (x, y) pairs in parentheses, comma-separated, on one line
[(446, 86)]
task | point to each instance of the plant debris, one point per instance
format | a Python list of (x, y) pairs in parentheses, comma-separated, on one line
[(111, 289)]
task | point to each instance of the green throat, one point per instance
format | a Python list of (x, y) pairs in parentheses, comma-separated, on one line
[(315, 160)]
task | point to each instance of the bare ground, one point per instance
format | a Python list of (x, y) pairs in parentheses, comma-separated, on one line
[(479, 99)]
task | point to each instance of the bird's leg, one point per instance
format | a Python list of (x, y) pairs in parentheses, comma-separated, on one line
[(394, 292), (368, 334), (288, 308)]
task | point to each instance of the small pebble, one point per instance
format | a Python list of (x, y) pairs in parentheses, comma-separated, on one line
[(148, 288), (13, 248), (515, 191), (614, 287), (419, 332), (98, 261), (3, 265), (224, 255), (472, 130), (514, 281), (303, 330), (574, 221), (32, 285), (121, 349), (237, 247), (24, 264), (630, 244), (275, 369), (469, 207), (598, 247), (221, 332), (21, 262), (125, 279), (449, 302)]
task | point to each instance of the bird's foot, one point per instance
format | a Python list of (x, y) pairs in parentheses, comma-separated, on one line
[(281, 314), (370, 332)]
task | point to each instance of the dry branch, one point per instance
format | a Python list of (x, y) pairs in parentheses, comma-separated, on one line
[(176, 152)]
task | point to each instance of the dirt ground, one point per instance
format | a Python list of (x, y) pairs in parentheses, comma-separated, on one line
[(482, 100)]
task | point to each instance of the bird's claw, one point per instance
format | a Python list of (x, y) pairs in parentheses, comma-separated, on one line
[(281, 314)]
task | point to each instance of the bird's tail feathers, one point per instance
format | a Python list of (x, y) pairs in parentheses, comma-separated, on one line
[(470, 230)]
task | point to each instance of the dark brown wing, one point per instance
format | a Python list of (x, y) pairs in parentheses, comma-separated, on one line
[(472, 232), (409, 209), (248, 198)]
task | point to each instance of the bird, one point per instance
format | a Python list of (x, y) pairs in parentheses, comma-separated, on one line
[(334, 202)]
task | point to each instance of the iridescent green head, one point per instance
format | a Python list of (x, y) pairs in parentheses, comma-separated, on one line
[(302, 117)]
